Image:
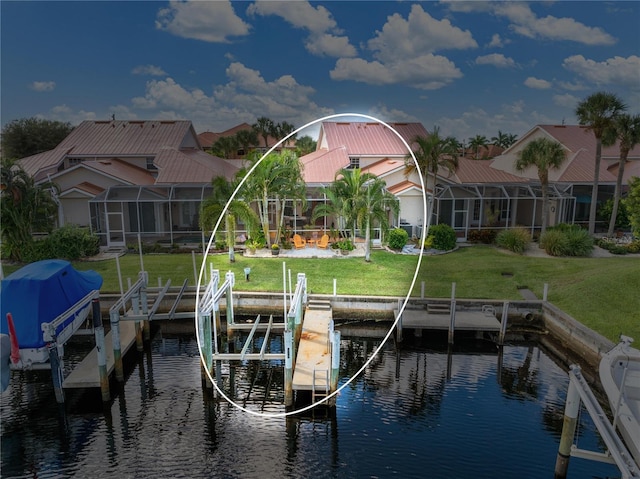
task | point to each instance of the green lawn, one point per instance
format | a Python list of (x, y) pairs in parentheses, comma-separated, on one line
[(602, 293)]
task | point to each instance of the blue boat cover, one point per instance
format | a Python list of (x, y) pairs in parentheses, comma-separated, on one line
[(38, 293)]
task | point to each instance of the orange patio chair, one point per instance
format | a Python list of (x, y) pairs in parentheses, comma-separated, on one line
[(323, 242), (299, 241)]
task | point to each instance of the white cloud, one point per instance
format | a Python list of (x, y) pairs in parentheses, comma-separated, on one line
[(620, 70), (497, 60), (207, 21), (43, 85), (150, 70), (571, 86), (65, 114), (497, 41), (168, 94), (324, 35), (418, 35), (428, 72), (567, 100), (537, 83)]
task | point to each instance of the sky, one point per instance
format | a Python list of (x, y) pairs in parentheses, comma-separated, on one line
[(470, 68)]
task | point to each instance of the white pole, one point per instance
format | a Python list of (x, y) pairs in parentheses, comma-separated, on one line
[(140, 251), (119, 275), (290, 288), (284, 287), (335, 287)]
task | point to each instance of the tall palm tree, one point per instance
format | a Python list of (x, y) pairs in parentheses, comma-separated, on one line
[(478, 142), (278, 178), (214, 206), (543, 154), (598, 112), (504, 140), (25, 208), (627, 130), (432, 153), (246, 140), (372, 209), (225, 147), (264, 127)]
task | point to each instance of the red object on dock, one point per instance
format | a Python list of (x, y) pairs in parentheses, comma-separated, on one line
[(15, 349)]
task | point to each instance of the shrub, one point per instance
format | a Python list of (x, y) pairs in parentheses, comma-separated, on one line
[(444, 237), (563, 241), (514, 239), (68, 242), (344, 245), (486, 236), (634, 247), (398, 238)]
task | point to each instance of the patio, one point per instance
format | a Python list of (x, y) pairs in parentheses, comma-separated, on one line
[(308, 252)]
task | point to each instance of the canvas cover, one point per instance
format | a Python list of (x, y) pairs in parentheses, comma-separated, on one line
[(40, 292)]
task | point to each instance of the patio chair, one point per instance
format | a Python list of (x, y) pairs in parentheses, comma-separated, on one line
[(323, 242), (299, 241)]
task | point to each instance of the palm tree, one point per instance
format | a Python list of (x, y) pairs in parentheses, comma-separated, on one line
[(504, 140), (627, 129), (598, 112), (543, 154), (246, 140), (432, 153), (236, 209), (225, 147), (281, 130), (278, 177), (25, 208), (478, 142), (264, 127), (373, 209), (305, 145)]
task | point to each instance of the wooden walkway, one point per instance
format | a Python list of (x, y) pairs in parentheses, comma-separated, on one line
[(313, 353), (464, 320), (86, 374)]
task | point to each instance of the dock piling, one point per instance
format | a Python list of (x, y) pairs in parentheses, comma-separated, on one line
[(288, 368), (452, 317), (56, 371), (114, 319), (570, 420), (503, 322), (98, 331)]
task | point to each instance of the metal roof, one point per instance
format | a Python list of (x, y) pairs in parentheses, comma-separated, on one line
[(369, 138)]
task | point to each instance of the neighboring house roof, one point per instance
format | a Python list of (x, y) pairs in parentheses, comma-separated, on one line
[(369, 139), (190, 166), (403, 187), (384, 167), (208, 138), (484, 152), (119, 169), (480, 171)]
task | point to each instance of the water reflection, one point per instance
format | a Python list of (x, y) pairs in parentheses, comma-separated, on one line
[(421, 410)]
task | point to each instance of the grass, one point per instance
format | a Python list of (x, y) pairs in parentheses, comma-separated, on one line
[(602, 293)]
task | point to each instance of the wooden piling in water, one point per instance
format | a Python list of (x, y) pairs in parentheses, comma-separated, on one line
[(569, 422), (57, 374), (452, 317), (114, 319), (98, 331), (335, 364), (503, 323), (288, 368)]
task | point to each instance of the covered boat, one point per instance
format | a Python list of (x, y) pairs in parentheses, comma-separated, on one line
[(620, 378), (37, 297)]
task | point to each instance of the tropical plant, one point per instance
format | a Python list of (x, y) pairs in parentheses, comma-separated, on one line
[(25, 208), (225, 147), (246, 140), (598, 112), (432, 153), (276, 178), (264, 127), (632, 204), (504, 140), (627, 131), (622, 218), (567, 241), (543, 154), (514, 239), (221, 203), (477, 142)]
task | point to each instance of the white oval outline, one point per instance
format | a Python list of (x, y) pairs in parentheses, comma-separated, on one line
[(404, 304)]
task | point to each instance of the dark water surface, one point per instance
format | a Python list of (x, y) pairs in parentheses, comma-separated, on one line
[(417, 413)]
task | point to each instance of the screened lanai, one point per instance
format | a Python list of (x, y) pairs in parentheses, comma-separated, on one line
[(477, 207), (156, 213)]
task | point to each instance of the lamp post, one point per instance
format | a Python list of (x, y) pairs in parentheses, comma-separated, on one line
[(246, 273)]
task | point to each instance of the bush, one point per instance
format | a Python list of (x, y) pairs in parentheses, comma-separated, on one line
[(68, 242), (573, 241), (514, 239), (444, 237), (398, 238), (487, 236), (634, 247)]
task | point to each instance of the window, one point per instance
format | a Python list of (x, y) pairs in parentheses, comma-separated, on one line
[(150, 165), (74, 161), (354, 163)]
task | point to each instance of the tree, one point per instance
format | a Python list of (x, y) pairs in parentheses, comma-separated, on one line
[(282, 130), (225, 147), (432, 153), (598, 112), (246, 140), (544, 155), (305, 145), (264, 127), (504, 140), (30, 136), (25, 208), (627, 130), (372, 209), (236, 209), (478, 142), (632, 203), (278, 177)]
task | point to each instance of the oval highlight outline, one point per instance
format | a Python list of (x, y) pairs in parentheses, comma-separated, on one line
[(404, 303)]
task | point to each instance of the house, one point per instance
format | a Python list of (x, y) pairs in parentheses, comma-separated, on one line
[(124, 178), (493, 194)]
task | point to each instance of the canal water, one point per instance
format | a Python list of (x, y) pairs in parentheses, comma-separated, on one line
[(416, 412)]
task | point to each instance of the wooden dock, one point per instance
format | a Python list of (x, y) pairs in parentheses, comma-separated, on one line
[(86, 374), (314, 352), (464, 320)]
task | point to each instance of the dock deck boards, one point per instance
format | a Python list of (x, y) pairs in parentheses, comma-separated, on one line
[(313, 352), (86, 374), (464, 321)]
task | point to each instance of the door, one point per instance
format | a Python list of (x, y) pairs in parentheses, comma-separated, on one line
[(115, 225)]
